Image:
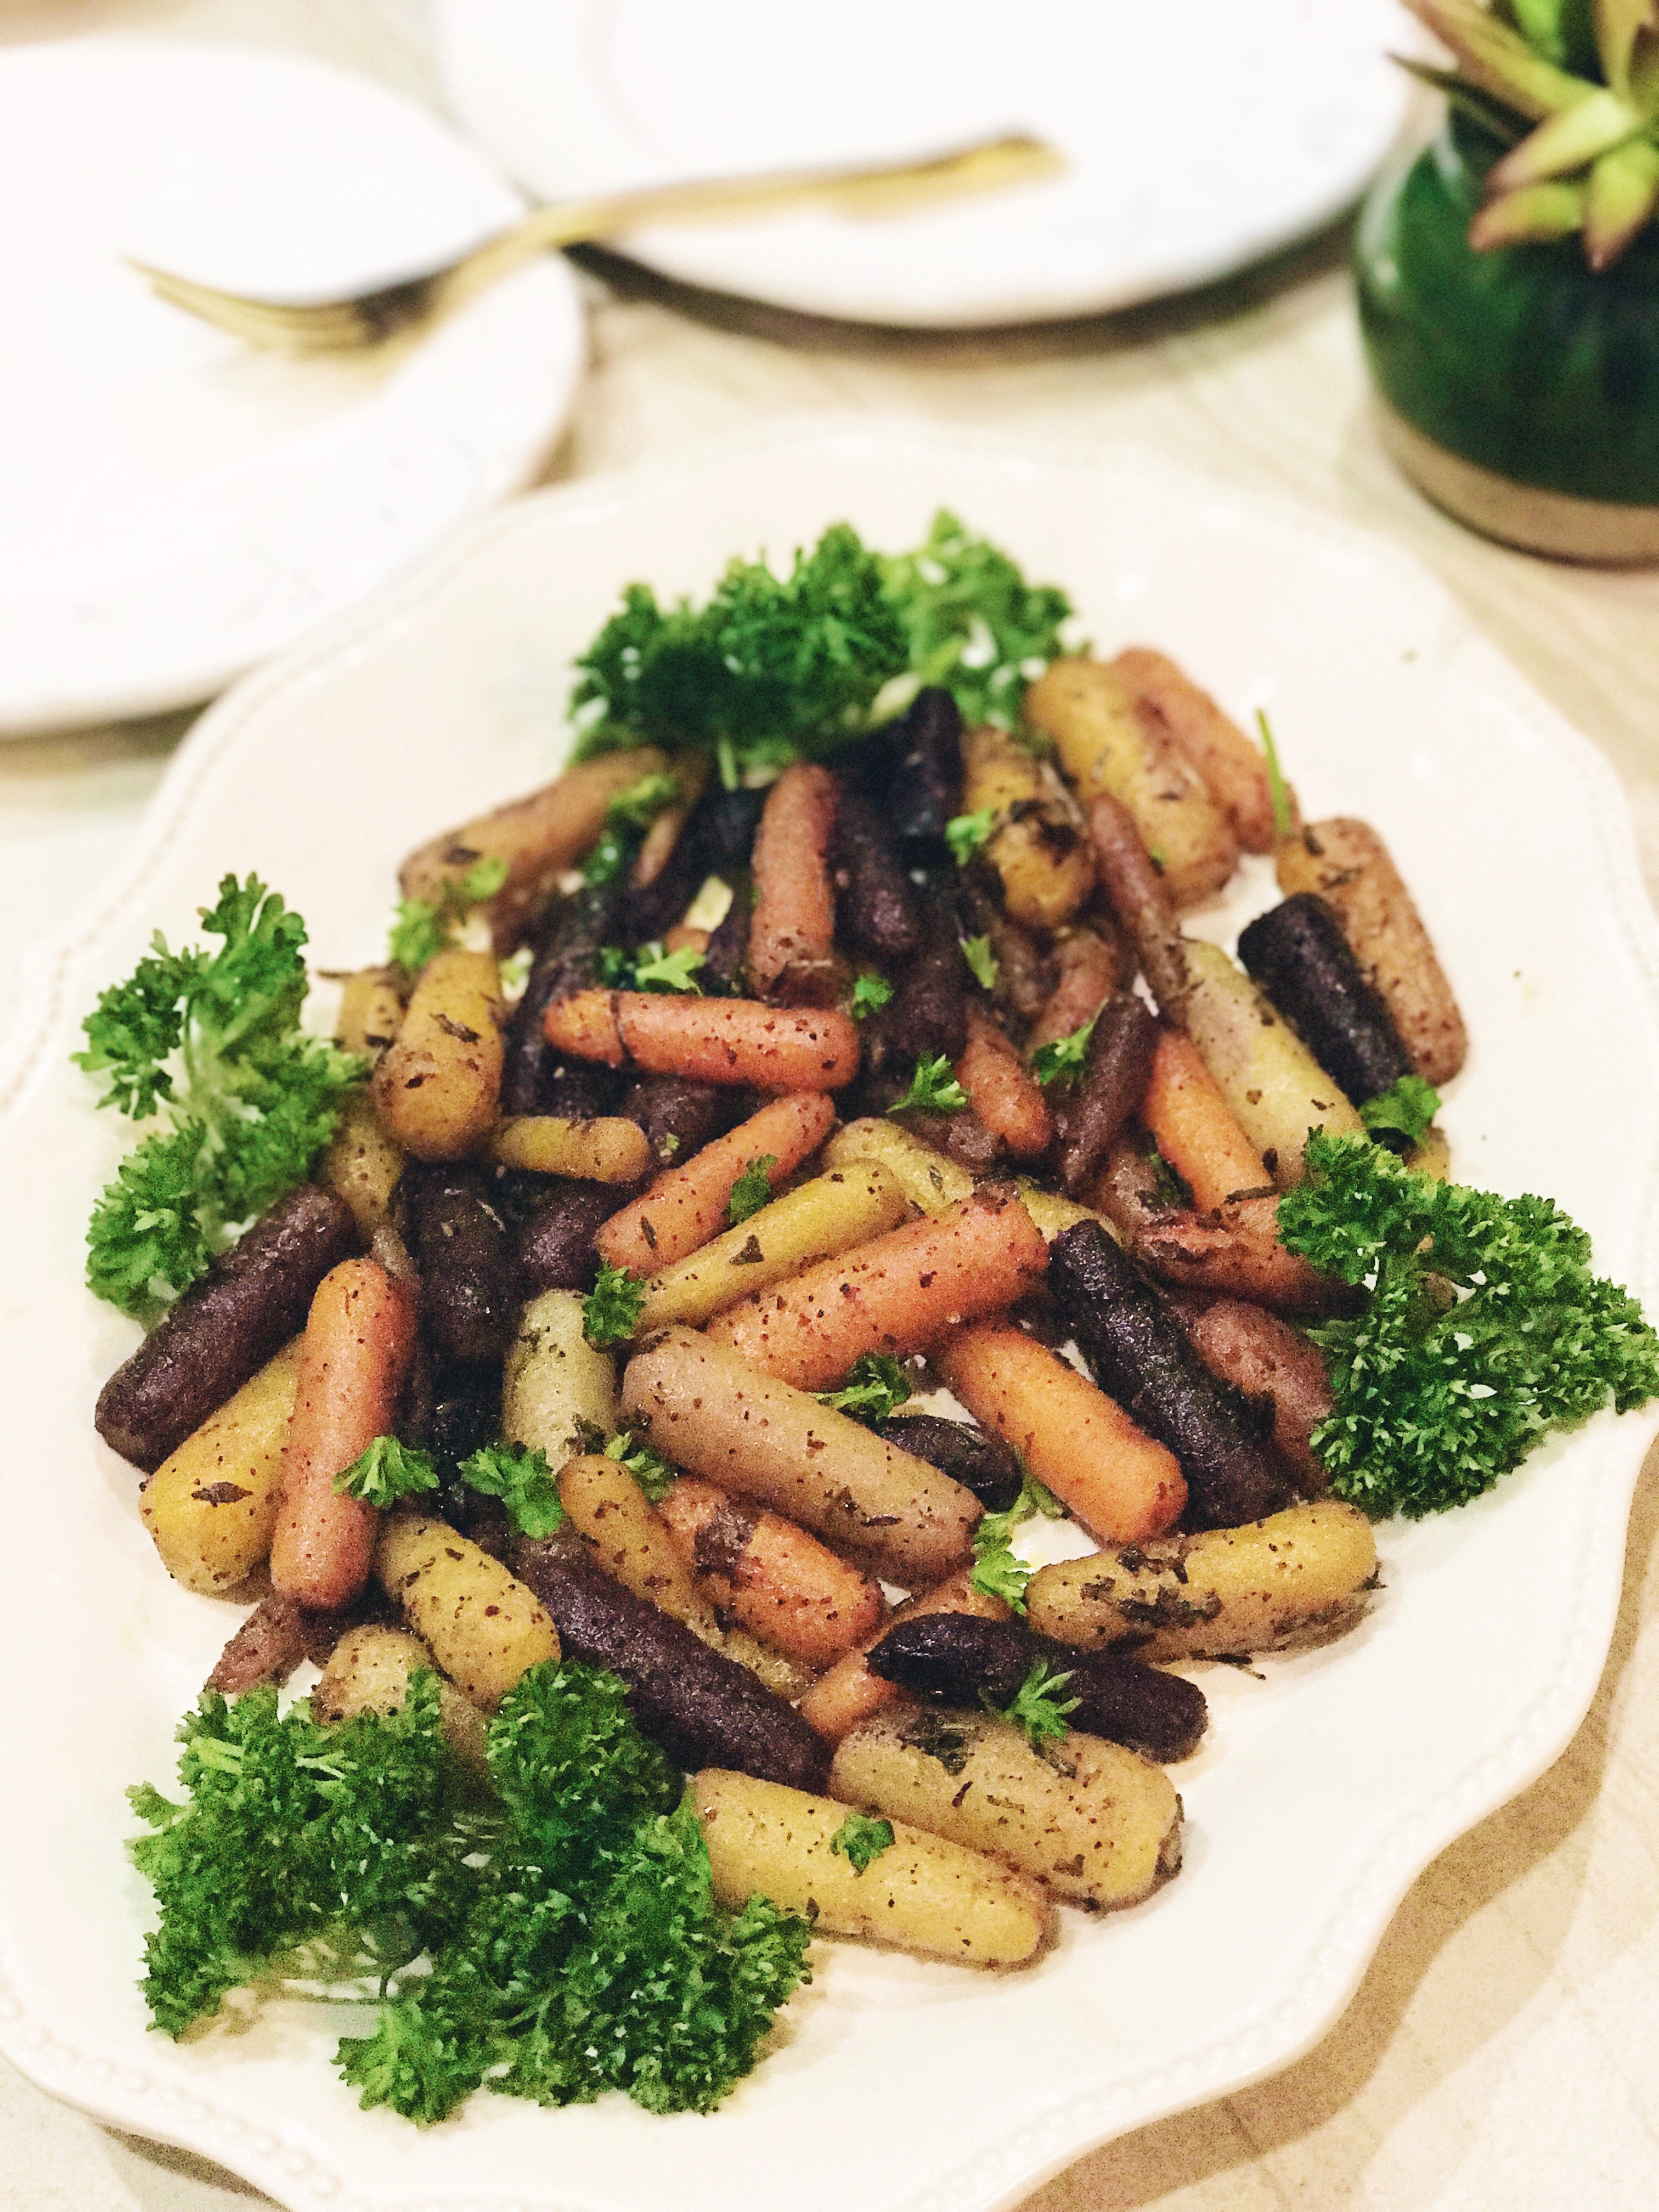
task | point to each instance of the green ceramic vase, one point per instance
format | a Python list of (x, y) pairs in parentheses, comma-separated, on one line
[(1518, 388)]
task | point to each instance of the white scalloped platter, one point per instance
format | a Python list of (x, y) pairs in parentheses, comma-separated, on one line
[(1195, 139), (178, 505), (1329, 1780)]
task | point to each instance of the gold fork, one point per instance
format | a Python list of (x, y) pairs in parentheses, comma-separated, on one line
[(342, 326)]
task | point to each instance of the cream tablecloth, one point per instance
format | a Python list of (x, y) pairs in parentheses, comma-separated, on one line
[(1503, 2053)]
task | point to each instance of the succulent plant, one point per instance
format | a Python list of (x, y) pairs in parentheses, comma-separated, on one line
[(1571, 89)]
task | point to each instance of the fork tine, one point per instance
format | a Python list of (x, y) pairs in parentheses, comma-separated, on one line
[(328, 326)]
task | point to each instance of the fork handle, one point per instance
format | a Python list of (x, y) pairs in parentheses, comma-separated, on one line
[(572, 222)]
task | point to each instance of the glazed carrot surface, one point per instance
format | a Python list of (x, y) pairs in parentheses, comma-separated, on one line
[(1183, 1108), (898, 1294), (1080, 1443), (775, 1579), (688, 1206), (709, 1040), (794, 923), (359, 1340), (1002, 1091)]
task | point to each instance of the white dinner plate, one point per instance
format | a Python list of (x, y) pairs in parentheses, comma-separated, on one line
[(175, 506), (1197, 137), (1329, 1778)]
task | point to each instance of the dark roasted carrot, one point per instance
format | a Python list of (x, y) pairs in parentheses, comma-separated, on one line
[(1266, 1357), (848, 1692), (1091, 967), (359, 1340), (1236, 1253), (1135, 889)]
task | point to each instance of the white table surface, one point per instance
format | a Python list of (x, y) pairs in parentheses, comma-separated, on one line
[(1503, 2053)]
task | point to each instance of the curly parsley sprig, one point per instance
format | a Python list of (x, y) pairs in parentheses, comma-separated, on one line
[(1037, 1706), (779, 667), (210, 1041), (520, 1475), (999, 1571), (387, 1471), (1483, 1328), (934, 1089), (612, 1309)]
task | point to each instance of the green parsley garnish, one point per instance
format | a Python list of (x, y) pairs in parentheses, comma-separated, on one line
[(860, 1839), (639, 806), (966, 833), (520, 1476), (558, 1941), (421, 930), (1278, 789), (870, 991), (876, 1386), (972, 621), (1483, 1328), (668, 971), (1405, 1109), (997, 1571), (387, 1471), (212, 1039), (777, 668), (982, 963), (1169, 1186), (1063, 1061), (1037, 1706), (752, 1190), (629, 812), (611, 851), (655, 1475), (418, 935), (612, 1309), (933, 1090), (650, 968)]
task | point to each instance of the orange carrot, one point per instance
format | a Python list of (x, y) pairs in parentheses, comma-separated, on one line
[(1233, 770), (686, 1206), (793, 925), (771, 1577), (848, 1692), (709, 1040), (1002, 1091), (896, 1294), (1196, 1133), (1122, 1486), (1236, 1253), (586, 1024), (359, 1340)]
